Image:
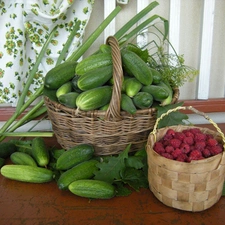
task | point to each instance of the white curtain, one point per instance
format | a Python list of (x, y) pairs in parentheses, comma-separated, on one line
[(25, 26)]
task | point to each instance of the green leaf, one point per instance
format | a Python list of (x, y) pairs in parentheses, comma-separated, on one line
[(121, 190), (110, 169), (134, 162), (173, 118)]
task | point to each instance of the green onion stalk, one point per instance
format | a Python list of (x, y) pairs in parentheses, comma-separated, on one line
[(39, 109)]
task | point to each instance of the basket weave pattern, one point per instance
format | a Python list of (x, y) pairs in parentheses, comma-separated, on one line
[(194, 186), (109, 131)]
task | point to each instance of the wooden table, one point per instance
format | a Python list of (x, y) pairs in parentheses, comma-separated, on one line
[(44, 204)]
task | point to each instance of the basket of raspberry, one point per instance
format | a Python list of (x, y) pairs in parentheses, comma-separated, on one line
[(186, 164)]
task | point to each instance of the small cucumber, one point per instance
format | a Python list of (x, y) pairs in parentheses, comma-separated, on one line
[(6, 149), (143, 100), (74, 84), (104, 48), (95, 189), (55, 153), (21, 158), (94, 98), (26, 173), (93, 62), (156, 76), (143, 54), (136, 66), (169, 99), (60, 74), (64, 89), (95, 78), (132, 87), (40, 152), (84, 170), (127, 104), (2, 162), (74, 156), (69, 99)]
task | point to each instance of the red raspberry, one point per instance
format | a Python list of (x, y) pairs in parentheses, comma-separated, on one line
[(211, 142), (182, 158), (188, 140), (169, 149), (216, 150), (185, 148), (176, 153), (170, 132), (175, 143), (195, 130), (206, 153), (200, 137), (158, 147), (179, 135), (200, 145), (188, 133), (167, 155), (195, 155)]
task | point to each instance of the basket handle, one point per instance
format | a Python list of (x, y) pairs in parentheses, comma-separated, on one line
[(113, 110), (193, 110)]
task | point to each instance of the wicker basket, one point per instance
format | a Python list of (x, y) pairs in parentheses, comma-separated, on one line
[(109, 131), (194, 186)]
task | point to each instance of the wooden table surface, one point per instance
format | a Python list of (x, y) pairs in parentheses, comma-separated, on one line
[(44, 204)]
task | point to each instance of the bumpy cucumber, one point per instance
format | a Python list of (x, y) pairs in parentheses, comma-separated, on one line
[(64, 89), (143, 54), (143, 100), (93, 62), (94, 98), (95, 78), (127, 104), (26, 173), (104, 48), (21, 158), (74, 84), (69, 99), (156, 76), (6, 149), (95, 189), (169, 99), (132, 87), (40, 152), (84, 170), (136, 66), (74, 156), (60, 74)]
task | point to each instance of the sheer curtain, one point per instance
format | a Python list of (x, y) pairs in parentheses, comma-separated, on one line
[(25, 25)]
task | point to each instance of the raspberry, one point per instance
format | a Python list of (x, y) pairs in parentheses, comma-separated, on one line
[(185, 148), (176, 153), (167, 155), (170, 132), (188, 140), (211, 142), (195, 130), (188, 133), (175, 142), (200, 137), (200, 145), (216, 150), (195, 154), (206, 153), (182, 158), (169, 149), (158, 147), (179, 135)]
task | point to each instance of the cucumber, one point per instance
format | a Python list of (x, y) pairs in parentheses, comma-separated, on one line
[(40, 152), (94, 98), (84, 170), (127, 104), (104, 48), (95, 78), (132, 86), (55, 153), (143, 100), (60, 74), (21, 158), (26, 173), (74, 156), (64, 89), (69, 99), (95, 189), (169, 99), (158, 92), (6, 149), (74, 84), (2, 162), (156, 76), (136, 66), (143, 54), (93, 62)]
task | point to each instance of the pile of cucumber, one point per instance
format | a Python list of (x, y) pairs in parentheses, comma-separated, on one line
[(31, 161), (88, 84)]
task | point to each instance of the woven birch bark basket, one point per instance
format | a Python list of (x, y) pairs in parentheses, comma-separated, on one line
[(108, 131), (193, 186)]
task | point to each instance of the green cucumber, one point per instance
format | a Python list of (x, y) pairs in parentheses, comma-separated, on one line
[(169, 99), (60, 74), (143, 100), (95, 189), (84, 170), (93, 62), (132, 86), (6, 149), (21, 158), (95, 78), (134, 65), (69, 99), (143, 54), (104, 48), (94, 98), (26, 173), (156, 76), (74, 84), (40, 152), (64, 89), (127, 104), (74, 156)]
